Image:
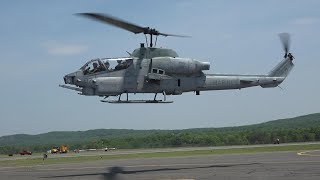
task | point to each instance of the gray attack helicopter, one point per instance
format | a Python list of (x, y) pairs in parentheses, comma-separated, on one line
[(159, 70)]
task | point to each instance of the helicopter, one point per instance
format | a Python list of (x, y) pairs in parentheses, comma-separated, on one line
[(149, 69)]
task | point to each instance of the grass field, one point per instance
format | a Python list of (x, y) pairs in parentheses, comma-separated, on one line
[(31, 161)]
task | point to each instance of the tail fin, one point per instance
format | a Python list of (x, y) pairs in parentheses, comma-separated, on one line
[(282, 69), (279, 73)]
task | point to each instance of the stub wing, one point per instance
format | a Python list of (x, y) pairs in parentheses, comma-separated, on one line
[(155, 76)]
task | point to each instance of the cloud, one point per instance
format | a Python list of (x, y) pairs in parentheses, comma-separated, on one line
[(56, 48), (305, 21)]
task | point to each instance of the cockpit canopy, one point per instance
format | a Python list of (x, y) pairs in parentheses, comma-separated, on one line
[(106, 65)]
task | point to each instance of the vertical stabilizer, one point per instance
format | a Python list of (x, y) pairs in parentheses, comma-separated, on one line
[(285, 66), (282, 69)]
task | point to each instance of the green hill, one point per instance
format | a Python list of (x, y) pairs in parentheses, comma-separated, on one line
[(70, 136), (302, 128), (306, 121)]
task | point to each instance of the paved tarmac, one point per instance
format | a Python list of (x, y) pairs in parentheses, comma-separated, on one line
[(274, 165), (135, 151)]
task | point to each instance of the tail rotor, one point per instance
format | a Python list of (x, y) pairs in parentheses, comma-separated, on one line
[(285, 40)]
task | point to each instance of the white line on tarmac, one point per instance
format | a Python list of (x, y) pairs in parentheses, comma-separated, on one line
[(308, 153)]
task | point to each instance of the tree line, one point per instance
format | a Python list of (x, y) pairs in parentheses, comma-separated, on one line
[(185, 138)]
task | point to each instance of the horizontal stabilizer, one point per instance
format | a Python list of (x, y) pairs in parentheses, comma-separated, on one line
[(246, 81), (270, 85)]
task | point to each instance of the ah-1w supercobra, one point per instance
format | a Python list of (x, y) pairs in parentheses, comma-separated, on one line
[(159, 70)]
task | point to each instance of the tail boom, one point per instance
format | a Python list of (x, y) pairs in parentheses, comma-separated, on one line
[(227, 81)]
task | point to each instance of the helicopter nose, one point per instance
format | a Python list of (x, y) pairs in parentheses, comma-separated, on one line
[(69, 79), (73, 78)]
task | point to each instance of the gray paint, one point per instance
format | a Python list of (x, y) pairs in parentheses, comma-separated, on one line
[(169, 74)]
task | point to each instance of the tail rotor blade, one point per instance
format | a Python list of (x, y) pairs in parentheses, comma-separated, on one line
[(285, 40)]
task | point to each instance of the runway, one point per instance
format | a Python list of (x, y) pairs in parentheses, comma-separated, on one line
[(274, 165), (135, 151)]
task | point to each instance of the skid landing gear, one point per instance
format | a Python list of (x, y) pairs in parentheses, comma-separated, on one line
[(119, 101)]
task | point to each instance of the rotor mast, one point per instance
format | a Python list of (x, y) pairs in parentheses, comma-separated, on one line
[(151, 40), (151, 32)]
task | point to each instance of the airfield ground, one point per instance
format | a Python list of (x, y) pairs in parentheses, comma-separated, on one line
[(287, 161)]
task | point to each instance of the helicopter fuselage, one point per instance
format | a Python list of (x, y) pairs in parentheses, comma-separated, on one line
[(158, 70)]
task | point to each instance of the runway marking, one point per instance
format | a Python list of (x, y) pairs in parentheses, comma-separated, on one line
[(307, 153)]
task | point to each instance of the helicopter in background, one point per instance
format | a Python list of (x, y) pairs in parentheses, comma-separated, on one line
[(161, 71)]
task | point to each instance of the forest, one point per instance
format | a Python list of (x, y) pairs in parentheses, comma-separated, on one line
[(298, 129)]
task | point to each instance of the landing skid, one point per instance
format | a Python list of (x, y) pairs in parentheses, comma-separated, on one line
[(119, 101), (135, 101)]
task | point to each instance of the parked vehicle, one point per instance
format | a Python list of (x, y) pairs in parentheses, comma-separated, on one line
[(25, 152), (61, 149)]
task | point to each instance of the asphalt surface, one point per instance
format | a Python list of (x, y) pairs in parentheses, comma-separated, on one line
[(275, 165), (135, 151)]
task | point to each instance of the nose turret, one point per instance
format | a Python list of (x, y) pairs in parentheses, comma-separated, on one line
[(69, 78), (73, 78)]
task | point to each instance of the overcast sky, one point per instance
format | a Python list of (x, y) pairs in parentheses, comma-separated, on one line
[(41, 41)]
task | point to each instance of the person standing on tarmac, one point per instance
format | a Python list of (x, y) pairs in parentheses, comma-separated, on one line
[(45, 156)]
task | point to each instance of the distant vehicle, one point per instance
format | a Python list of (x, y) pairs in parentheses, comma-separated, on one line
[(61, 149), (107, 149), (277, 141), (76, 150), (25, 152), (10, 154), (54, 150)]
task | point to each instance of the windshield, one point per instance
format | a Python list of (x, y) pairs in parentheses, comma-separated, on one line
[(93, 66), (108, 65), (117, 64)]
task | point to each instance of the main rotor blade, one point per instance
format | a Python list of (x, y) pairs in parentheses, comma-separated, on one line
[(125, 25), (175, 35), (285, 40), (114, 22)]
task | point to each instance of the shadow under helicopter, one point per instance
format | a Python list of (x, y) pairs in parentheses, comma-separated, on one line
[(113, 172)]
